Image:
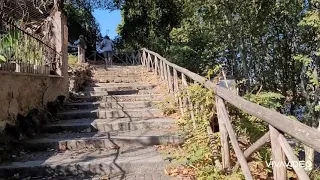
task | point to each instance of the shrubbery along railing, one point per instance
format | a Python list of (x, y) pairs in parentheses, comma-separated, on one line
[(22, 52), (279, 125)]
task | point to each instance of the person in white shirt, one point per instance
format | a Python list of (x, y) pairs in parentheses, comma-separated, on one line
[(107, 50)]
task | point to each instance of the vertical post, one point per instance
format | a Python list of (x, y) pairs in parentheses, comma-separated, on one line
[(156, 65), (185, 85), (225, 149), (166, 78), (143, 57), (184, 101), (170, 79), (176, 89), (278, 156), (148, 61), (161, 69)]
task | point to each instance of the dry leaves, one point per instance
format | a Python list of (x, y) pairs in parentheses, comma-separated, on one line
[(184, 172)]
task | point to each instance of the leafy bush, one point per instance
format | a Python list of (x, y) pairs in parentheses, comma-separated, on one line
[(72, 59), (16, 46)]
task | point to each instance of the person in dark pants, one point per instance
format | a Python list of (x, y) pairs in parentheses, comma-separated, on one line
[(107, 49)]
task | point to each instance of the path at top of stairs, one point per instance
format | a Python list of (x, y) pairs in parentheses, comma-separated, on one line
[(109, 129)]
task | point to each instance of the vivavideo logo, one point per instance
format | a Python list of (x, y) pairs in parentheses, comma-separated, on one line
[(290, 164)]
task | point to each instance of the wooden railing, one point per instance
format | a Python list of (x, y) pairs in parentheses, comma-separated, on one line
[(279, 124), (128, 58)]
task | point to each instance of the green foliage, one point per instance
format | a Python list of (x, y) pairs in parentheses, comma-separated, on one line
[(72, 59), (82, 22), (197, 149), (16, 46), (167, 106), (253, 128)]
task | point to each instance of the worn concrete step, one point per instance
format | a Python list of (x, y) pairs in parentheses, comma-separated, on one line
[(118, 79), (120, 67), (113, 163), (124, 85), (117, 92), (93, 140), (109, 125), (120, 98), (110, 113), (118, 87), (123, 72), (111, 105)]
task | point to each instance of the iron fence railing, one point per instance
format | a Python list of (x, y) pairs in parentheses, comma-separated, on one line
[(22, 52)]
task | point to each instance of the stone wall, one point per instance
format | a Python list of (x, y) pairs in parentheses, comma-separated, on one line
[(19, 93)]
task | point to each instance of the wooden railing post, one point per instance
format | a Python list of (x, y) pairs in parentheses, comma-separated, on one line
[(161, 70), (170, 83), (224, 117), (151, 63), (188, 100), (156, 65), (176, 89), (148, 62), (278, 156), (143, 58), (225, 149)]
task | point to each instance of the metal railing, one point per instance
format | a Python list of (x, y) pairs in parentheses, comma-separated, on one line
[(22, 52)]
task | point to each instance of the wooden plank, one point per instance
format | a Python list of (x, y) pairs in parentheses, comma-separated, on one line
[(240, 156), (225, 149), (278, 157), (191, 108), (302, 174), (170, 83), (144, 58), (176, 86), (148, 62), (166, 78), (254, 147), (161, 69), (184, 100), (151, 63), (156, 65)]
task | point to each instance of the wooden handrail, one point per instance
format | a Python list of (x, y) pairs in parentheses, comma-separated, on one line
[(307, 135), (278, 123)]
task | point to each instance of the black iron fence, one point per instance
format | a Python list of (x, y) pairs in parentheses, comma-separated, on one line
[(23, 52)]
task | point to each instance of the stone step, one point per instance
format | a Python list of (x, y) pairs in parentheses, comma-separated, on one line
[(123, 73), (109, 125), (116, 92), (120, 98), (118, 87), (110, 113), (111, 105), (124, 85), (118, 79), (112, 163), (118, 67), (93, 140)]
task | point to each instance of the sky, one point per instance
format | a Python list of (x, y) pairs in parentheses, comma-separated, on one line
[(108, 21)]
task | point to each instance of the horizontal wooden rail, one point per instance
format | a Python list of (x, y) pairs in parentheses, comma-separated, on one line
[(278, 123)]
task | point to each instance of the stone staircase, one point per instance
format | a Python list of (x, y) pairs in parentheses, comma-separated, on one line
[(107, 132)]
